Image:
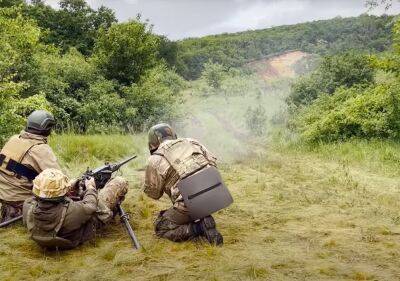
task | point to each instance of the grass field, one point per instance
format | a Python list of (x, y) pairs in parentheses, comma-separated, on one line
[(330, 213)]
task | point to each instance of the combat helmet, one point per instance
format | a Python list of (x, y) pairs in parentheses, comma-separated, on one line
[(158, 134), (40, 122), (50, 184)]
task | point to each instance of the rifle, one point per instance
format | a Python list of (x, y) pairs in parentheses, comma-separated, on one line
[(11, 221)]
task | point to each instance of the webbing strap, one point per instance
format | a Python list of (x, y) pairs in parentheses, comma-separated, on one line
[(21, 170), (2, 157)]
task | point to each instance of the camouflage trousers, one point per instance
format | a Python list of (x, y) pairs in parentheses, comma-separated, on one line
[(10, 210), (175, 225), (113, 193)]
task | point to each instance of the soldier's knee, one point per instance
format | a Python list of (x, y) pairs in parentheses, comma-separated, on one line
[(121, 184)]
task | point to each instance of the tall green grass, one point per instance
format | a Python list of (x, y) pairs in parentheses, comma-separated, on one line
[(77, 152)]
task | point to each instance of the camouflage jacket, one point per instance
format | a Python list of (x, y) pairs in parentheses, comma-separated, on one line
[(163, 174)]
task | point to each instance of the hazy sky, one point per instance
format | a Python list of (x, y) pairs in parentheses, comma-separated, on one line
[(192, 18)]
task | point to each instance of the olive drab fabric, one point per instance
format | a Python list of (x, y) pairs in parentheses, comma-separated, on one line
[(173, 160), (65, 224), (32, 151), (50, 183), (43, 225)]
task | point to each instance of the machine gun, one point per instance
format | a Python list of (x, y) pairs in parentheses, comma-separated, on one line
[(101, 177), (104, 173)]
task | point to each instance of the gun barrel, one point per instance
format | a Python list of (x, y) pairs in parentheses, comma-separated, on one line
[(125, 220), (11, 221)]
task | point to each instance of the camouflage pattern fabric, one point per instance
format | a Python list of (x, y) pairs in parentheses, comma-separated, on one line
[(159, 133), (50, 183), (171, 224), (163, 173), (114, 192)]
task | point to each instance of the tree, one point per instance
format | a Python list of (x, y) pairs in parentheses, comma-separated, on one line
[(213, 74), (75, 24), (334, 72), (19, 43), (126, 51)]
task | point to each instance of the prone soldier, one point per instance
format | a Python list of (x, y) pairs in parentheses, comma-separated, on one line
[(186, 171), (22, 158), (55, 221)]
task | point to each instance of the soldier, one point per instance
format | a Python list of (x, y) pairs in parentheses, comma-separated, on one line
[(173, 162), (55, 221), (22, 158)]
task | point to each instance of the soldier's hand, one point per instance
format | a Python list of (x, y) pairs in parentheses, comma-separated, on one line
[(90, 183), (73, 184)]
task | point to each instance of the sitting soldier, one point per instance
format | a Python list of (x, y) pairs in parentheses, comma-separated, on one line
[(55, 221), (22, 158), (181, 164)]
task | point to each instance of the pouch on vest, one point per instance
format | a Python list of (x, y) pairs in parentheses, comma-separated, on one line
[(204, 193)]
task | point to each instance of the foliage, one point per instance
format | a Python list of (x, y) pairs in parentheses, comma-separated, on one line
[(256, 120), (213, 74), (75, 24), (117, 89), (334, 71), (354, 112), (154, 98), (126, 51), (17, 47), (366, 33)]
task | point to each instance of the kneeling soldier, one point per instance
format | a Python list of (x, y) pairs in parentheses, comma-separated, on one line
[(57, 222), (186, 171), (22, 158)]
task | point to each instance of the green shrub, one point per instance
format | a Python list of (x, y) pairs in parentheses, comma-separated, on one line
[(354, 112), (343, 70)]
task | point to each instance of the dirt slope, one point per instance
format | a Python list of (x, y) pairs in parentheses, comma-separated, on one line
[(280, 66)]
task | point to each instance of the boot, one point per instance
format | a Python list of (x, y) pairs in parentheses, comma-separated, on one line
[(208, 230)]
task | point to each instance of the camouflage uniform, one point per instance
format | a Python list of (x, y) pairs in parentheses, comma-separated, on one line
[(32, 151), (162, 175), (65, 224)]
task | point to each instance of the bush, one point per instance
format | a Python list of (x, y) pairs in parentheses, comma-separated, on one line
[(256, 120), (153, 99), (354, 112), (335, 71)]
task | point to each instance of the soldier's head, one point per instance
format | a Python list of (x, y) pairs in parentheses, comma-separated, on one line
[(51, 184), (158, 134), (40, 122)]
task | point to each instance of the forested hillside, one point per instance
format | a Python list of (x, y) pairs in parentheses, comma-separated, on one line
[(364, 33)]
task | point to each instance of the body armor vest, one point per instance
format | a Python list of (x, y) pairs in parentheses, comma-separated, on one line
[(200, 183), (184, 155), (12, 155)]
